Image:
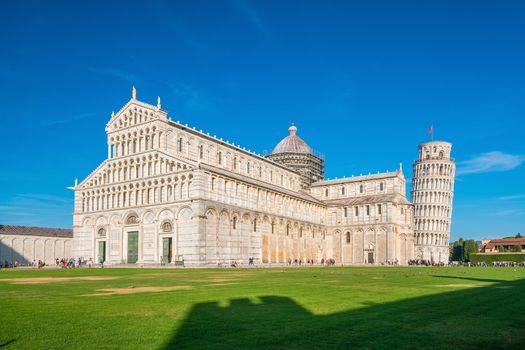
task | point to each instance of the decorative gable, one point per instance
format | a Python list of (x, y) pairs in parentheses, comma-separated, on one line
[(135, 112)]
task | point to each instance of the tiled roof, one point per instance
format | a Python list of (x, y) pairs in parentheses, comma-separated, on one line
[(356, 178), (35, 231), (382, 198), (504, 241)]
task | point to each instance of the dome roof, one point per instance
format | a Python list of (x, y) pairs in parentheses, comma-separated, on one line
[(292, 143)]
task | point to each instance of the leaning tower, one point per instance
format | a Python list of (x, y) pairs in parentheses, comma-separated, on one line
[(432, 194)]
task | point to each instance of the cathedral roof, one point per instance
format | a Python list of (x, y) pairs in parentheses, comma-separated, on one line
[(382, 198), (292, 143), (358, 178)]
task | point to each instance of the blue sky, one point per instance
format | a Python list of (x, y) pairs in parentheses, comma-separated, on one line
[(363, 81)]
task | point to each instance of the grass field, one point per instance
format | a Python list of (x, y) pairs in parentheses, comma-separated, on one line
[(295, 308)]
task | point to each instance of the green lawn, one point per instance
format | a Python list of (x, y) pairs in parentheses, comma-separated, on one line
[(295, 308)]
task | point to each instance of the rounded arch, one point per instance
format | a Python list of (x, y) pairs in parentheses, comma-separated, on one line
[(148, 217), (184, 213), (131, 218), (88, 221), (211, 212)]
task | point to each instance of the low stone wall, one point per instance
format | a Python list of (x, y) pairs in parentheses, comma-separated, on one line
[(25, 248)]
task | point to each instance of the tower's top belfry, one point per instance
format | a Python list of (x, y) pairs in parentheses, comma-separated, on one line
[(435, 150)]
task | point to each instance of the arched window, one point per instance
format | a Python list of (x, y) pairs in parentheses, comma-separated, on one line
[(234, 224), (343, 190), (301, 232), (179, 145), (326, 192), (348, 237), (254, 225), (361, 188), (441, 154), (201, 151), (287, 230), (220, 157), (381, 186)]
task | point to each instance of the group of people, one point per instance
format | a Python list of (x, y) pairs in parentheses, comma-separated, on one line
[(423, 262), (71, 263), (8, 264), (508, 264)]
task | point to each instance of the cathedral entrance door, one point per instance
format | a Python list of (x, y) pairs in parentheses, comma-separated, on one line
[(101, 251), (133, 247), (167, 250), (370, 257)]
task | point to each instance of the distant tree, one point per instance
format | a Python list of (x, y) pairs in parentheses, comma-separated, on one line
[(516, 248), (518, 235), (501, 249), (469, 247), (457, 250)]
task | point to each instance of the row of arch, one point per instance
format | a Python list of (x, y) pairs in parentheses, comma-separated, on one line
[(198, 150), (432, 184), (133, 116), (141, 140), (229, 191), (153, 191), (431, 238), (421, 196), (422, 168), (432, 210), (372, 244), (264, 238), (435, 225), (136, 168), (26, 249)]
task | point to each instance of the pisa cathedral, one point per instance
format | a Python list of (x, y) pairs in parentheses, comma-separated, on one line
[(169, 193)]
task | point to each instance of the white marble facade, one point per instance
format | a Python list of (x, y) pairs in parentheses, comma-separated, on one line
[(168, 190)]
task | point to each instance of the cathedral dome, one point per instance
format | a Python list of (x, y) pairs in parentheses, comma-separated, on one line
[(292, 143)]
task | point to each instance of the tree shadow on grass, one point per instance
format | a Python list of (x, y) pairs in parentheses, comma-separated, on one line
[(469, 278), (7, 343), (489, 317)]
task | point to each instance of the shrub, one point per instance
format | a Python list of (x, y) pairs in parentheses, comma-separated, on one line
[(489, 258)]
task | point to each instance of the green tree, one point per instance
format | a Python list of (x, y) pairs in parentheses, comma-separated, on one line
[(457, 250), (516, 248), (501, 249), (518, 235), (469, 247)]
